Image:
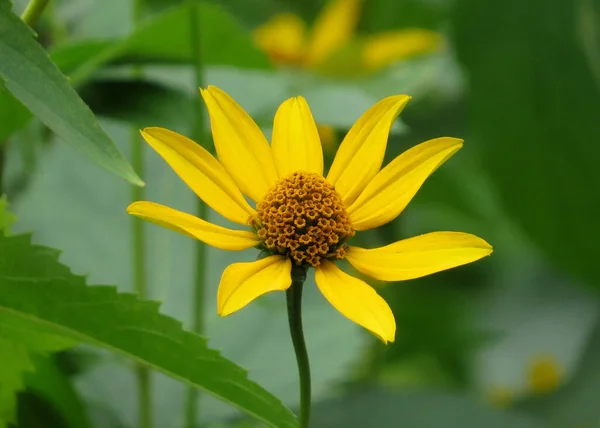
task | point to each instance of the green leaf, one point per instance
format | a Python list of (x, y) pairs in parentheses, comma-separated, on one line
[(166, 39), (426, 409), (14, 115), (49, 382), (256, 338), (534, 106), (36, 82), (15, 362), (6, 218), (36, 288), (141, 102)]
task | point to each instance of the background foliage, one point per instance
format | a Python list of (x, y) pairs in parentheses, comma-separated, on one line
[(510, 341)]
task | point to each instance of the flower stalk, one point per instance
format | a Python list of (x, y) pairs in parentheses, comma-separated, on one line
[(138, 248), (33, 11), (294, 307)]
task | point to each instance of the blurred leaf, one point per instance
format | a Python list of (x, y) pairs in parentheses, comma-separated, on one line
[(35, 81), (426, 409), (6, 218), (143, 103), (74, 54), (55, 387), (34, 286), (14, 115), (534, 105), (576, 403), (256, 338), (383, 15), (15, 362), (34, 411), (166, 39)]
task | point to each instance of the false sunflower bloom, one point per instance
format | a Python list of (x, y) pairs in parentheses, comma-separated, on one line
[(301, 216), (287, 41)]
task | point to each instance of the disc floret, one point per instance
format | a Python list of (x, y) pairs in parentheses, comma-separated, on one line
[(303, 217)]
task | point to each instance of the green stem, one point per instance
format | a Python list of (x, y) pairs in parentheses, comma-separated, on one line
[(294, 307), (139, 277), (144, 381), (2, 159), (33, 11), (191, 408)]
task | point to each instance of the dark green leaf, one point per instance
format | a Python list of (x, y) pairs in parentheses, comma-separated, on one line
[(535, 108), (36, 288), (49, 382), (35, 81), (143, 103), (14, 115), (15, 362)]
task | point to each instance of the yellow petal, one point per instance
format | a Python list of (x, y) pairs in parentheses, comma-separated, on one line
[(282, 38), (332, 29), (201, 172), (419, 256), (296, 144), (386, 48), (194, 227), (361, 153), (356, 300), (395, 185), (241, 146), (241, 283)]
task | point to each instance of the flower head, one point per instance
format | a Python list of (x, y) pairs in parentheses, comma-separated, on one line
[(287, 41), (302, 217)]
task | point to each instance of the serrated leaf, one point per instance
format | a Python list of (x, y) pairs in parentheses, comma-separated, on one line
[(35, 287), (36, 82)]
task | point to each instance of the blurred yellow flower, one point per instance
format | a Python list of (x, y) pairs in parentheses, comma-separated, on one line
[(501, 397), (287, 41), (544, 374), (327, 137), (302, 217)]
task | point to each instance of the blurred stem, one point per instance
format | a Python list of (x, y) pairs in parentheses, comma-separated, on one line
[(33, 11), (2, 156), (294, 307), (58, 31), (139, 274), (139, 248), (191, 409)]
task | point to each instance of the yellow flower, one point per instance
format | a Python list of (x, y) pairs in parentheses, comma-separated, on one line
[(544, 374), (287, 42), (301, 216)]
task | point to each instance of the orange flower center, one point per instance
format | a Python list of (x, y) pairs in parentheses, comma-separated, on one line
[(303, 217)]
